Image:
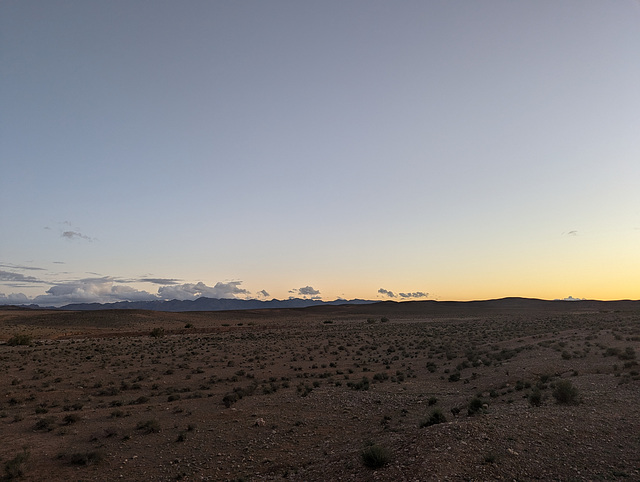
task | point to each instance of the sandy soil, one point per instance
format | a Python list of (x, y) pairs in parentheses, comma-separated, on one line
[(301, 394)]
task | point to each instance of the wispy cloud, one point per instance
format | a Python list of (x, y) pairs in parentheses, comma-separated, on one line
[(8, 276), (75, 235), (20, 267), (415, 294), (160, 281), (263, 294)]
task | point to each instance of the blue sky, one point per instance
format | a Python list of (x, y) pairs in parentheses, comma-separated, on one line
[(359, 149)]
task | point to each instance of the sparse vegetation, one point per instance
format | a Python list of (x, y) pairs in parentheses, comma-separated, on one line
[(475, 406), (20, 340), (375, 456), (149, 426), (15, 468), (290, 379), (565, 393), (157, 332), (436, 417), (535, 397)]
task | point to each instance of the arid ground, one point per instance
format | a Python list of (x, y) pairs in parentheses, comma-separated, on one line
[(410, 391)]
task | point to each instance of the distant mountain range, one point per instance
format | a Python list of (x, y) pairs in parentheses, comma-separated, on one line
[(408, 308), (210, 304)]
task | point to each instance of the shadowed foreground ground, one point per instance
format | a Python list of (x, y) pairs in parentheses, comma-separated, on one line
[(299, 394)]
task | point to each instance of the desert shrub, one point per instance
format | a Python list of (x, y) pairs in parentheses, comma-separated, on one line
[(71, 418), (85, 458), (475, 405), (149, 426), (19, 340), (489, 458), (612, 352), (384, 319), (565, 393), (432, 401), (380, 377), (628, 354), (157, 332), (14, 468), (435, 418), (545, 378), (454, 377), (535, 398), (374, 456), (46, 423), (361, 385)]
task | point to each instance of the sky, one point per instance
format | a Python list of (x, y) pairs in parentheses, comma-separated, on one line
[(447, 150)]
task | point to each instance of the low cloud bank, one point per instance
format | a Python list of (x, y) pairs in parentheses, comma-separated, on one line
[(109, 290), (191, 291)]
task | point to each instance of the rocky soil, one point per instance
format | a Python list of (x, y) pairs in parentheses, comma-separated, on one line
[(301, 395)]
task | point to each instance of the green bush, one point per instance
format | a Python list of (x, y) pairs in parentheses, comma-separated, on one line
[(565, 393), (374, 456)]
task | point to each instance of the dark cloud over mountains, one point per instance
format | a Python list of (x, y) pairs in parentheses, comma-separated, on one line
[(391, 294), (306, 292)]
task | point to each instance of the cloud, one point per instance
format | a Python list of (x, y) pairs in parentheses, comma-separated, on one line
[(108, 289), (75, 235), (191, 291), (17, 278), (571, 298), (388, 293), (14, 299), (263, 294), (415, 294), (91, 290), (17, 266), (570, 233), (306, 292), (159, 281)]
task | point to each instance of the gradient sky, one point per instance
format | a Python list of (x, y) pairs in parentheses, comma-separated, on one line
[(447, 150)]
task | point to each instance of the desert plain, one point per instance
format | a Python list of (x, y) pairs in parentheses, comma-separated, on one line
[(504, 390)]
